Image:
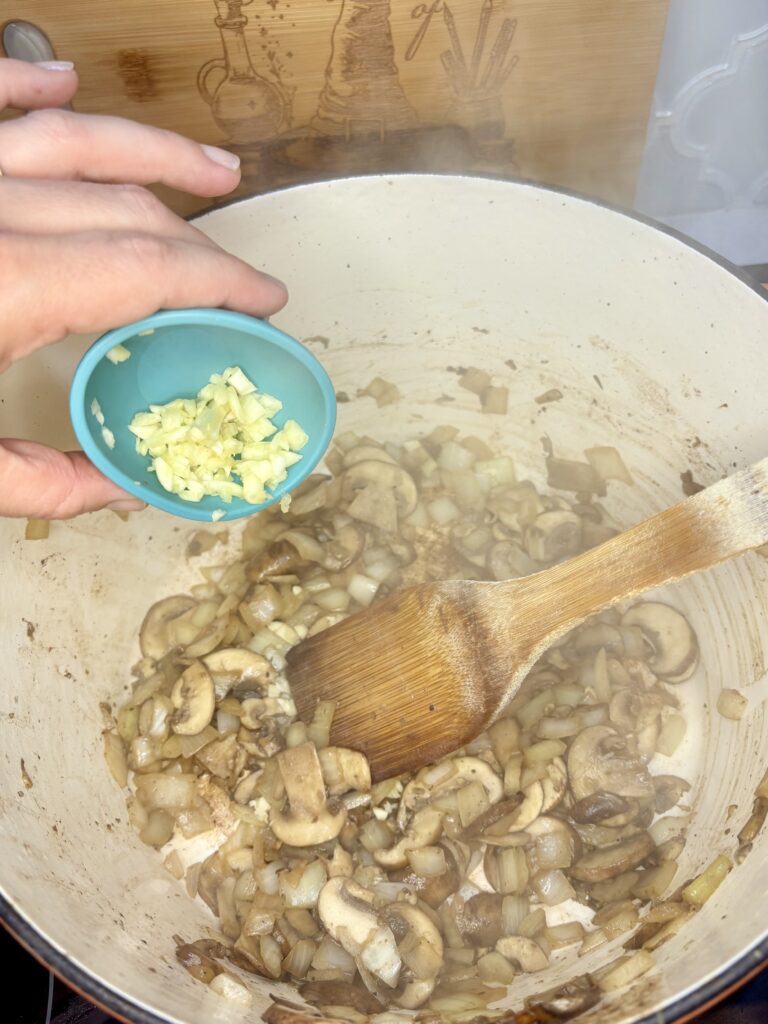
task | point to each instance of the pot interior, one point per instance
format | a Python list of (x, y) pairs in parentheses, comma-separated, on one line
[(656, 348)]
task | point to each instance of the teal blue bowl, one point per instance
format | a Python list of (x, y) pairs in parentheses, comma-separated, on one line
[(172, 355)]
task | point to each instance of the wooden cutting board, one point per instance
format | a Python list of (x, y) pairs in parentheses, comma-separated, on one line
[(554, 90)]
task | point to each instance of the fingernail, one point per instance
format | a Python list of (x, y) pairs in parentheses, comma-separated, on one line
[(127, 505), (56, 65), (274, 280), (221, 156)]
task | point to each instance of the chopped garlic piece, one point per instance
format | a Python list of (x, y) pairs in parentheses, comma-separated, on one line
[(96, 411), (109, 437), (118, 354), (222, 443), (217, 514)]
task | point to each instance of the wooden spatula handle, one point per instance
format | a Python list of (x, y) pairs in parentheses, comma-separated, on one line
[(723, 520)]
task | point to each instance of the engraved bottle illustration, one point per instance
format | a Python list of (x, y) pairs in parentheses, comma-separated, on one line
[(362, 95), (246, 105)]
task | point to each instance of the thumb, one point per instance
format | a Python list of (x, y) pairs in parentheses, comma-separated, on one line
[(42, 483)]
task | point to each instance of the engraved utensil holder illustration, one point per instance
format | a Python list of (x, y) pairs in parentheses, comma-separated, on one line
[(245, 105)]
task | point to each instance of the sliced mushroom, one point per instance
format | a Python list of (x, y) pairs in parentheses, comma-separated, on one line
[(613, 860), (589, 639), (480, 919), (344, 770), (503, 809), (570, 1000), (669, 791), (309, 820), (522, 818), (279, 559), (209, 639), (323, 494), (203, 968), (676, 650), (598, 759), (376, 506), (506, 560), (598, 807), (421, 947), (553, 535), (238, 668), (340, 993), (367, 453), (391, 478), (437, 780), (224, 758), (347, 912), (194, 698), (425, 829), (153, 635), (525, 952), (554, 784), (343, 548)]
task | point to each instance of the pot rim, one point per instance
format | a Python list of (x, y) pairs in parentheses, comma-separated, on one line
[(691, 243), (686, 1007)]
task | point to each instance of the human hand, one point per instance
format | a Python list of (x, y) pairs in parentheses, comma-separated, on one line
[(84, 248)]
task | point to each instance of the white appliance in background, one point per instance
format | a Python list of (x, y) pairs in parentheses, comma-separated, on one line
[(705, 168)]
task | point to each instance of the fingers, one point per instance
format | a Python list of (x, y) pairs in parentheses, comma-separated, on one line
[(76, 284), (63, 145), (41, 483), (62, 207), (32, 86)]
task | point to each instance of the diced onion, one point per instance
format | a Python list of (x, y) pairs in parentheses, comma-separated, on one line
[(672, 735), (697, 892), (654, 883), (625, 970), (608, 464), (454, 456), (362, 589), (229, 988), (566, 934), (166, 792), (443, 511), (226, 723), (552, 888), (37, 529), (543, 751), (428, 861), (495, 969), (732, 704)]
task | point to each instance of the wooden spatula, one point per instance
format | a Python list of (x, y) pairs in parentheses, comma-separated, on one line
[(430, 667)]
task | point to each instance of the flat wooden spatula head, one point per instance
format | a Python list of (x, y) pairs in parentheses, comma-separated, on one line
[(412, 677), (426, 670)]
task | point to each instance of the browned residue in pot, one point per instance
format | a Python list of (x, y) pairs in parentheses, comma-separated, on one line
[(690, 486), (553, 395)]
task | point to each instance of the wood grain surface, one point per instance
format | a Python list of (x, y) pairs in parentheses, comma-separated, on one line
[(553, 90)]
